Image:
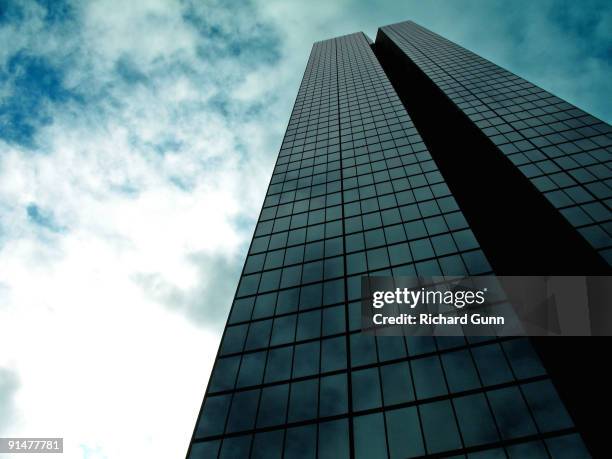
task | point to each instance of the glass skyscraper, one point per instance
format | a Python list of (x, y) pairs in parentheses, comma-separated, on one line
[(358, 189)]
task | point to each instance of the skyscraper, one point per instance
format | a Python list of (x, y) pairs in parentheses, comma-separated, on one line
[(361, 187)]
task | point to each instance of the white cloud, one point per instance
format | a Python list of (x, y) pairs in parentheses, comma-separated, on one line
[(111, 316), (147, 31), (9, 385)]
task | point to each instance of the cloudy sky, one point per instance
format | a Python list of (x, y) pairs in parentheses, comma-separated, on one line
[(136, 142)]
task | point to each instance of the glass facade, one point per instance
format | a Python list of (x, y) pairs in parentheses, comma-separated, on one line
[(565, 152), (355, 191)]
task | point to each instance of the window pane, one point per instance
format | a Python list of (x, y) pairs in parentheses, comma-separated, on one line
[(334, 267), (314, 251), (492, 364), (292, 256), (233, 340), (205, 450), (279, 364), (475, 420), (397, 383), (291, 276), (274, 259), (333, 247), (310, 296), (428, 377), (248, 285), (241, 310), (259, 334), (333, 320), (270, 280), (312, 272), (224, 376), (420, 344), (333, 354), (531, 450), (242, 413), (374, 238), (356, 263), (334, 395), (306, 359), (267, 445), (363, 349), (421, 249), (273, 405), (567, 447), (511, 413), (354, 242), (264, 305), (303, 404), (546, 406), (309, 325), (523, 358), (497, 453), (404, 433), (301, 442), (400, 254), (284, 330), (460, 371), (439, 427), (334, 440), (369, 437), (235, 447), (391, 347), (251, 369), (214, 414), (377, 258), (333, 292), (366, 389), (287, 301)]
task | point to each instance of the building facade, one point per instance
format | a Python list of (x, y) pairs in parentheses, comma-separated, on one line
[(563, 151), (356, 190)]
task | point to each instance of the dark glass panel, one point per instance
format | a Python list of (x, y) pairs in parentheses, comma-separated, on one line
[(369, 437), (273, 405), (404, 433), (301, 442), (366, 389), (334, 440), (439, 427)]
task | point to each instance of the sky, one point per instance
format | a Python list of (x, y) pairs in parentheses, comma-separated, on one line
[(136, 144)]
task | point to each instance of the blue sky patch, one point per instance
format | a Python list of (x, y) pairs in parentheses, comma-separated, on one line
[(42, 218), (259, 44), (34, 86), (129, 72)]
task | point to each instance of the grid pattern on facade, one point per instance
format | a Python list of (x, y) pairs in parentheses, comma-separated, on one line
[(565, 152), (355, 191)]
